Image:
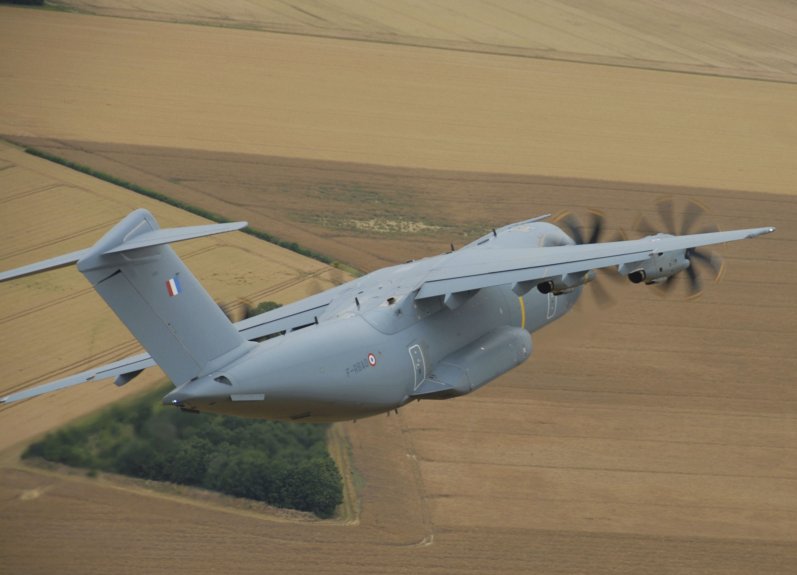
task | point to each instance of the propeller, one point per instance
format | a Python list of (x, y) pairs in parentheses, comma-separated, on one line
[(592, 233), (236, 311), (690, 217)]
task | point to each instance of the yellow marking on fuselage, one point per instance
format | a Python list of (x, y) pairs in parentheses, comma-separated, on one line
[(522, 312)]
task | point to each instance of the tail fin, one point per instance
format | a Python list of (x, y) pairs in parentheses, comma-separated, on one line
[(156, 296)]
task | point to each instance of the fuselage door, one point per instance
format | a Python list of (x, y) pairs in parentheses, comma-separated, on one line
[(419, 365), (551, 305)]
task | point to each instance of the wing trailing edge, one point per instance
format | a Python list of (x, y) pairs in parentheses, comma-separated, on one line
[(475, 269)]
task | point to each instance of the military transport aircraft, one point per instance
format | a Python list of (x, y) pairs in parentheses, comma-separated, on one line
[(434, 328)]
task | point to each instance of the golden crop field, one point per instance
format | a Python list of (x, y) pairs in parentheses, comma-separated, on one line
[(730, 38), (181, 86), (55, 325), (655, 436)]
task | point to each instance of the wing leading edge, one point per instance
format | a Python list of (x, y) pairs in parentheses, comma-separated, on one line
[(476, 269)]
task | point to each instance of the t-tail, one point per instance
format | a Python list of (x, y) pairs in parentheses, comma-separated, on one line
[(156, 296)]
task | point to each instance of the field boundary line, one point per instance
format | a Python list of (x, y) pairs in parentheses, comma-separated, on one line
[(262, 235)]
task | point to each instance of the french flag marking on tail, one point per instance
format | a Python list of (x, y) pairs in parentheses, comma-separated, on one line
[(173, 286)]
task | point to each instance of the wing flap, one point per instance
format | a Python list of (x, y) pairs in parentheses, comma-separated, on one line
[(475, 268)]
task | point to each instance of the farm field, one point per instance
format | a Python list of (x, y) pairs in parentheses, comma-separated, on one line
[(55, 325), (654, 436), (250, 92), (732, 38)]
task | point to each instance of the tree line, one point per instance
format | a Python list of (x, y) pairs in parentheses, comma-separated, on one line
[(285, 465)]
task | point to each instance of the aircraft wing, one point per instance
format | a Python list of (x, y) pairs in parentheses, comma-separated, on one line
[(288, 317), (284, 319), (124, 370), (476, 268)]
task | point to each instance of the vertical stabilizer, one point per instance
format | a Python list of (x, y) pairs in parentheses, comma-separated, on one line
[(159, 300)]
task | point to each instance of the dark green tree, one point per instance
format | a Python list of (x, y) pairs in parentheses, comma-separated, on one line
[(285, 465)]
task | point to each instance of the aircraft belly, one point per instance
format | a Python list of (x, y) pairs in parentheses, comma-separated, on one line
[(338, 370)]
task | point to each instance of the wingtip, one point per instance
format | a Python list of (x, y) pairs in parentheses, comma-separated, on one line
[(756, 232)]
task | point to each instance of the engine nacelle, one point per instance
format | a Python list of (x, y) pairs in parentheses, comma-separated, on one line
[(658, 268), (566, 283)]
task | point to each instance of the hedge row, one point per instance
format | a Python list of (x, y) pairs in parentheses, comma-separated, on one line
[(293, 246)]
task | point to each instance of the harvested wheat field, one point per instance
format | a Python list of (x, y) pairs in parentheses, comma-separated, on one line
[(657, 435), (732, 38), (55, 325), (179, 86)]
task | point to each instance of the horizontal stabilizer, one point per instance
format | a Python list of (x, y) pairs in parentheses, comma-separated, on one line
[(147, 239), (51, 264), (135, 270), (172, 235)]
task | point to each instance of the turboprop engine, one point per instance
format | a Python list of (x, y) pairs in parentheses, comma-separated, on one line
[(657, 269), (566, 283)]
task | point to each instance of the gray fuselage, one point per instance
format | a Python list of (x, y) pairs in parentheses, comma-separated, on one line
[(376, 347)]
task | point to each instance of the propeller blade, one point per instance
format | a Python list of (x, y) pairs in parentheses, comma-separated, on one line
[(226, 309), (710, 261), (692, 212), (710, 229), (694, 282), (569, 221), (619, 236), (597, 227), (667, 214), (602, 297), (667, 285), (643, 227), (613, 275)]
